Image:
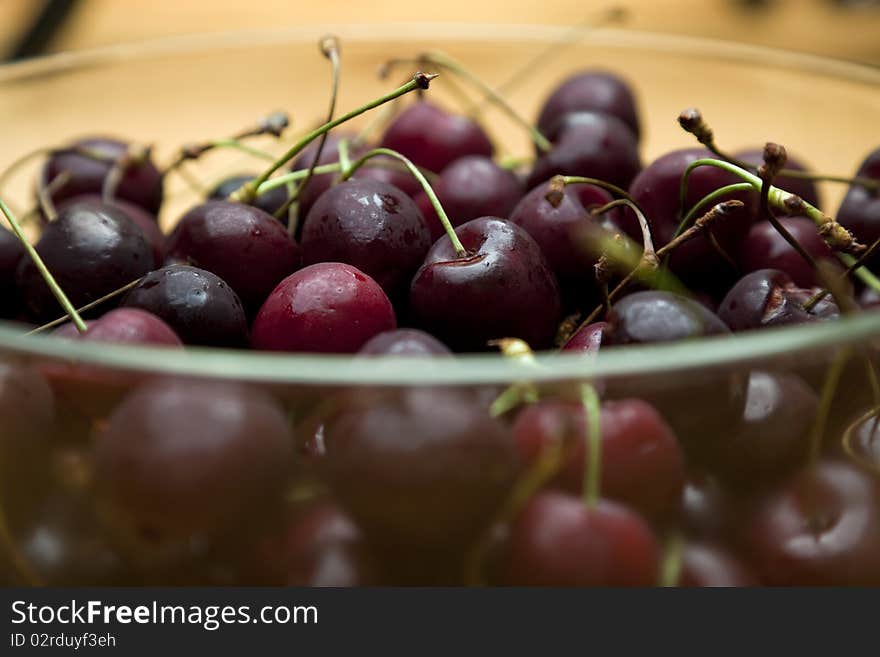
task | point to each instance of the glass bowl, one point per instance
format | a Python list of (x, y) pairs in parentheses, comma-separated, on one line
[(60, 529)]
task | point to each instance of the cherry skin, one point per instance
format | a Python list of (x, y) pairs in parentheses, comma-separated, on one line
[(587, 340), (768, 298), (198, 305), (91, 249), (860, 210), (467, 301), (180, 457), (370, 225), (320, 183), (270, 202), (421, 467), (765, 248), (472, 186), (593, 91), (590, 144), (820, 528), (404, 342), (655, 316), (802, 187), (705, 565), (246, 247), (559, 541), (330, 307), (433, 138), (141, 184), (11, 253), (124, 326), (708, 511), (642, 462), (386, 169)]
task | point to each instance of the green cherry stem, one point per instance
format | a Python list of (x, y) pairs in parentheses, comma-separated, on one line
[(593, 466), (44, 271), (670, 568), (826, 397), (92, 304), (460, 251), (247, 192)]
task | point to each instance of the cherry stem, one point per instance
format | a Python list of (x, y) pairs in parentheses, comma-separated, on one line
[(556, 188), (826, 397), (873, 416), (593, 451), (460, 251), (44, 196), (135, 155), (709, 199), (44, 271), (670, 568), (521, 392), (82, 309), (445, 62), (649, 254), (247, 192)]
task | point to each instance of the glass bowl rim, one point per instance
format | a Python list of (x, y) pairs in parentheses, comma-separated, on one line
[(723, 351)]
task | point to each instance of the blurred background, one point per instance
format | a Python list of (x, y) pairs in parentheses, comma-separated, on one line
[(846, 29)]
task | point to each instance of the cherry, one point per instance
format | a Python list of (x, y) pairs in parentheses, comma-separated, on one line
[(657, 190), (768, 297), (433, 138), (656, 316), (385, 169), (328, 307), (820, 528), (869, 298), (860, 210), (422, 467), (590, 144), (11, 252), (467, 300), (705, 565), (587, 339), (594, 91), (370, 225), (270, 202), (802, 187), (642, 462), (404, 342), (246, 247), (141, 183), (320, 183), (181, 457), (559, 231), (91, 249), (472, 186), (559, 541), (124, 326), (708, 511), (765, 248), (198, 305), (773, 437)]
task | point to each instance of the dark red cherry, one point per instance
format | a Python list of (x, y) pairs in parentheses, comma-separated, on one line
[(386, 169), (559, 541), (91, 249), (593, 91), (642, 462), (656, 316), (590, 144), (11, 252), (370, 225), (587, 340), (124, 326), (708, 511), (472, 186), (468, 300), (198, 305), (141, 183), (869, 298), (768, 297), (765, 248), (246, 247), (705, 565), (821, 528), (802, 187), (433, 138), (318, 184), (404, 342), (270, 202), (423, 467), (183, 457), (330, 307), (860, 210)]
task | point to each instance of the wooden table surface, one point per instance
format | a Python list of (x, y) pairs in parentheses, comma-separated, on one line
[(818, 26)]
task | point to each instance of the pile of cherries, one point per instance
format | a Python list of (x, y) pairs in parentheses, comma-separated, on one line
[(423, 245)]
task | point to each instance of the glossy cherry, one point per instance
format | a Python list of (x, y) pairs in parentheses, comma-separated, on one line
[(320, 183), (404, 342), (330, 307), (246, 247), (656, 316), (91, 249), (370, 225), (270, 202), (386, 169), (708, 510), (141, 183), (124, 326), (860, 210), (433, 138), (11, 252), (198, 305), (468, 300), (586, 340), (765, 248)]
